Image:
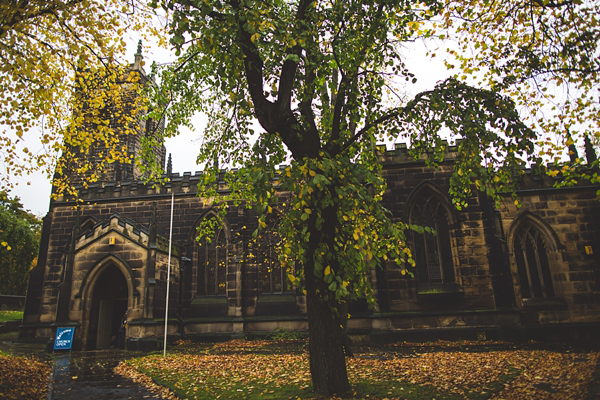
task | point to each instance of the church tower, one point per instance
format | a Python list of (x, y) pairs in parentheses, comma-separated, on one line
[(118, 127)]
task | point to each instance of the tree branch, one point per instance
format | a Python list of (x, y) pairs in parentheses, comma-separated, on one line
[(290, 66), (276, 118), (19, 16), (340, 101), (253, 65), (384, 118)]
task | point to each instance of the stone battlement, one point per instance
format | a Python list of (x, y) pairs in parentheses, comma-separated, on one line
[(400, 154), (187, 182)]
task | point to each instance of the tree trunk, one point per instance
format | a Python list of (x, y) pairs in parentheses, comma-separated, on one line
[(328, 343)]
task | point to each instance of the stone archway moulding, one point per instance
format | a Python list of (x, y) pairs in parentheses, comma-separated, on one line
[(527, 216), (89, 281)]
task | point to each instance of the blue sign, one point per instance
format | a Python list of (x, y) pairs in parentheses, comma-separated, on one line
[(64, 338)]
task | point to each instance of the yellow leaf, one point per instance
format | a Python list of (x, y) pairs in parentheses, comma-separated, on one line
[(327, 270)]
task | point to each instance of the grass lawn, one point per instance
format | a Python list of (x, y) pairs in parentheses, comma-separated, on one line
[(10, 315), (440, 370)]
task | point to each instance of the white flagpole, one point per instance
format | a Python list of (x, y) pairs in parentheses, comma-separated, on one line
[(168, 275)]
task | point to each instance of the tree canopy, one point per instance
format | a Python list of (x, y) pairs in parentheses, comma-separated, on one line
[(54, 53), (544, 54), (19, 243)]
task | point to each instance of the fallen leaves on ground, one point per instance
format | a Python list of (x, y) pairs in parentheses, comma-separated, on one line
[(495, 373), (534, 374), (144, 380), (23, 378)]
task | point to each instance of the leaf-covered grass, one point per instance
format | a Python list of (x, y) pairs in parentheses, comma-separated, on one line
[(10, 315), (279, 369), (23, 377)]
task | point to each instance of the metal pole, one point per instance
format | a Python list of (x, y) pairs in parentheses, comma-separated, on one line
[(168, 275)]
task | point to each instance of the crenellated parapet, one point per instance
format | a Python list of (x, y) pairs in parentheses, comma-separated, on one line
[(533, 177), (125, 227), (178, 184), (400, 154)]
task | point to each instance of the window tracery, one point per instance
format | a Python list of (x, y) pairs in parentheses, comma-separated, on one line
[(272, 277), (212, 263), (533, 267), (431, 251)]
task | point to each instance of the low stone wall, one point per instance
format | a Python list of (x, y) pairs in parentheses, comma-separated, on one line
[(9, 326), (13, 303)]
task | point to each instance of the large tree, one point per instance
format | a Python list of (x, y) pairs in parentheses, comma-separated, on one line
[(19, 243), (53, 53), (316, 85)]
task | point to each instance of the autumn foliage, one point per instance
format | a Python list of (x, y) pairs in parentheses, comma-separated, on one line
[(57, 57)]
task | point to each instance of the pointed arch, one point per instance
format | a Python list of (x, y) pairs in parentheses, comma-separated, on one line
[(87, 224), (429, 206), (211, 256), (96, 279), (534, 219), (90, 277), (534, 249), (431, 188), (210, 213)]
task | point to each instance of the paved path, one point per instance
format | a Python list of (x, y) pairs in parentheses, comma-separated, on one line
[(89, 376), (84, 375)]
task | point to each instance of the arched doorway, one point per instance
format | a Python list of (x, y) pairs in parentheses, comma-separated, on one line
[(109, 304)]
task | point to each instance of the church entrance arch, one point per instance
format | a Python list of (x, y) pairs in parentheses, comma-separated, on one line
[(109, 303)]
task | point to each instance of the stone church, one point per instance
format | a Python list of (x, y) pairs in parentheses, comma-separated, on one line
[(496, 272)]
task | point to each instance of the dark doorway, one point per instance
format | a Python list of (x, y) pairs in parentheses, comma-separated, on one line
[(109, 304)]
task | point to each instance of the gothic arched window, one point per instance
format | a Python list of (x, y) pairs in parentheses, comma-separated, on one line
[(87, 224), (431, 252), (212, 263), (532, 263), (272, 278)]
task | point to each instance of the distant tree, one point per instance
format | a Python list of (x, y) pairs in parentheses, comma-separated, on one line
[(323, 79), (19, 244)]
